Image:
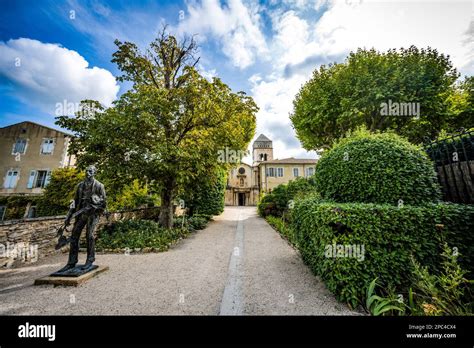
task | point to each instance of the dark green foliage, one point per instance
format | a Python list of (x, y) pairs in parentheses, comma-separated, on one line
[(390, 236), (138, 234), (206, 217), (60, 191), (206, 196), (343, 97), (197, 222), (193, 223), (376, 168), (16, 205), (276, 202)]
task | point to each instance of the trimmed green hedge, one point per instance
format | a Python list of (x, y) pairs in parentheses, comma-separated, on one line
[(376, 168), (390, 236)]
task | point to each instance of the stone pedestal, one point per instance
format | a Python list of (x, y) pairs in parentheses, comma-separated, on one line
[(68, 280)]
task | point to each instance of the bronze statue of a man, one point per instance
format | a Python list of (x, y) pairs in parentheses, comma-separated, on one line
[(89, 203)]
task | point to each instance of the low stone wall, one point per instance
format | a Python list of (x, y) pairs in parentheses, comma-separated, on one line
[(27, 240)]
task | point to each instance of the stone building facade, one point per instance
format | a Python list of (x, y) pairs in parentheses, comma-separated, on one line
[(28, 154), (246, 182)]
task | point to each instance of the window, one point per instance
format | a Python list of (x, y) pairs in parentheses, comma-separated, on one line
[(47, 146), (19, 146), (11, 179), (309, 171), (296, 172), (275, 172), (39, 178), (241, 170), (241, 181)]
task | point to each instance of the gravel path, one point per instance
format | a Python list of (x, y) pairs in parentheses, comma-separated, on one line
[(237, 265)]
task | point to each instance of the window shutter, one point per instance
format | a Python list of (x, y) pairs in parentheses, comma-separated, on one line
[(6, 182), (15, 178), (31, 179), (47, 179)]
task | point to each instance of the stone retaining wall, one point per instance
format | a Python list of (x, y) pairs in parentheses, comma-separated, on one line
[(27, 240)]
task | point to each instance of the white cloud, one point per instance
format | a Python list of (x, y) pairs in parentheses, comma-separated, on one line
[(235, 26), (274, 97), (48, 74), (440, 24), (301, 44)]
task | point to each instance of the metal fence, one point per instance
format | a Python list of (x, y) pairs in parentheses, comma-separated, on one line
[(454, 163)]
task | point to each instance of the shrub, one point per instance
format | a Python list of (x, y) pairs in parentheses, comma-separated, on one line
[(444, 293), (390, 236), (282, 227), (204, 216), (197, 222), (138, 234), (376, 168), (60, 191), (276, 202), (207, 194), (131, 196)]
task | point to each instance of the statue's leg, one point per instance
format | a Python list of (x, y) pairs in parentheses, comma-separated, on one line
[(90, 234), (75, 235)]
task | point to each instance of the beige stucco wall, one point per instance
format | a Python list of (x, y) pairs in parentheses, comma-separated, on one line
[(256, 182), (269, 183), (32, 159)]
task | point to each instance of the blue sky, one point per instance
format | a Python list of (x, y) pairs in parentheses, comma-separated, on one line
[(59, 51)]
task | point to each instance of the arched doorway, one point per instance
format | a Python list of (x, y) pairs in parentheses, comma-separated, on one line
[(241, 198)]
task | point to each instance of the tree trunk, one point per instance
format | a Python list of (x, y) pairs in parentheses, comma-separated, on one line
[(167, 197)]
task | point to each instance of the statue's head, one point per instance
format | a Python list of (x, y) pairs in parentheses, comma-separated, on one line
[(90, 171)]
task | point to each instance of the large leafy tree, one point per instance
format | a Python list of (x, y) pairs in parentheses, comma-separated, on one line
[(342, 97), (167, 129), (462, 105)]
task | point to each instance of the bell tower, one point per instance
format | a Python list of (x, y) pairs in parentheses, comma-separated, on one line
[(262, 149)]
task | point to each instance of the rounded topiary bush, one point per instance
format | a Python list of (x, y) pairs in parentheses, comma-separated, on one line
[(376, 168)]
